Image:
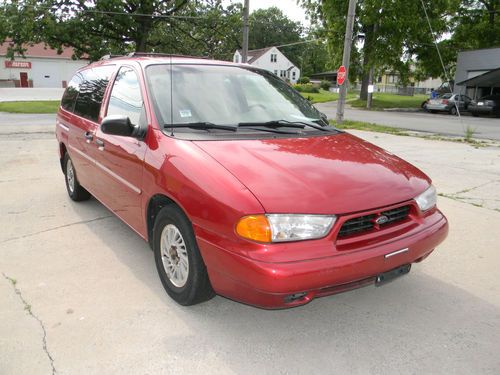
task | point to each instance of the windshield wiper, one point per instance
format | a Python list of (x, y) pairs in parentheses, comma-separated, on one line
[(204, 125), (284, 123), (271, 130)]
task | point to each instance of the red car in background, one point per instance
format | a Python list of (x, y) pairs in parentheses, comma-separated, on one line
[(240, 186)]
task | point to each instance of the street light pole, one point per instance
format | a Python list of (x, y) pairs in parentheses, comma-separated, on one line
[(346, 59), (245, 32)]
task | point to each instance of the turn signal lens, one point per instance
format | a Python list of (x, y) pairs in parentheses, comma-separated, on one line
[(255, 228)]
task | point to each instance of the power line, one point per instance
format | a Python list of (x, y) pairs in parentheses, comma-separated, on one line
[(301, 42)]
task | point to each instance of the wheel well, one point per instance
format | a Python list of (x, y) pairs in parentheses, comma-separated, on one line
[(62, 152), (156, 203)]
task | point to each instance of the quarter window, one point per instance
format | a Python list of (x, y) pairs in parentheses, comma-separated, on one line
[(71, 93), (126, 97)]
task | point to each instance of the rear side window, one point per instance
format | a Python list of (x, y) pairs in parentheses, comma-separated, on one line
[(126, 97), (91, 91), (69, 98)]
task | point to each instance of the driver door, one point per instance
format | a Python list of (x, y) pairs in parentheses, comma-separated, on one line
[(119, 158)]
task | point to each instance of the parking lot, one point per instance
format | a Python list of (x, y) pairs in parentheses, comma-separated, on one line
[(79, 293)]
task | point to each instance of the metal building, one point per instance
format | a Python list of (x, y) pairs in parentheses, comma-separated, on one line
[(478, 72)]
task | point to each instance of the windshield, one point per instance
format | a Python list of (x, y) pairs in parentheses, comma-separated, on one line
[(446, 96), (224, 95)]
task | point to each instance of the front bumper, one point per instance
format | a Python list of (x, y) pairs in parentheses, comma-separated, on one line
[(272, 285)]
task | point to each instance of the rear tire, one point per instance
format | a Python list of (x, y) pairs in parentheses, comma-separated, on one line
[(178, 260), (453, 111), (75, 191)]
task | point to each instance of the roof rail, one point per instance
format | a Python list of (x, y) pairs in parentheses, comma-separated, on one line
[(107, 57), (156, 54)]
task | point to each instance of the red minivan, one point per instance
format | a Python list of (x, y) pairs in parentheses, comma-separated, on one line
[(240, 186)]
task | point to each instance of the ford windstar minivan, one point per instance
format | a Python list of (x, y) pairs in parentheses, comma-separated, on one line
[(240, 186)]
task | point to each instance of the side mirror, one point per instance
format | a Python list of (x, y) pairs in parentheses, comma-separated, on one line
[(117, 125)]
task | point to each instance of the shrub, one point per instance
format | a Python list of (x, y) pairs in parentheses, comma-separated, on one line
[(304, 80), (308, 88), (325, 85)]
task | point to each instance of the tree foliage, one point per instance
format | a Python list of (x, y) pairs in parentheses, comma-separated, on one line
[(100, 27), (270, 27), (477, 24), (394, 32), (211, 28)]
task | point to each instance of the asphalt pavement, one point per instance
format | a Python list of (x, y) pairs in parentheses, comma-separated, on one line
[(79, 293), (439, 123)]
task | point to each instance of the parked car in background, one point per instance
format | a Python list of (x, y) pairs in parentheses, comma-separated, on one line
[(240, 185), (448, 103), (487, 105)]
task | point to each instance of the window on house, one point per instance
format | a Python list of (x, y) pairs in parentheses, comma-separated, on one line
[(276, 72), (274, 57), (236, 59), (294, 74)]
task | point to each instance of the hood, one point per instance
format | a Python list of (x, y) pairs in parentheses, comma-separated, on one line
[(331, 174)]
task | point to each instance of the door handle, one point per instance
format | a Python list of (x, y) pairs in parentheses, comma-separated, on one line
[(99, 143), (88, 136)]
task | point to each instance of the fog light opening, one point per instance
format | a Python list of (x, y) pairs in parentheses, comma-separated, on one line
[(295, 297)]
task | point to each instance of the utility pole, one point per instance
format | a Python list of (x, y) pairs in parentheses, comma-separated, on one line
[(345, 59), (370, 83), (245, 32), (370, 73)]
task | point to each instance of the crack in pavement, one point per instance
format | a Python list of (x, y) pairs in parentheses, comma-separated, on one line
[(468, 200), (475, 187), (55, 228), (27, 307)]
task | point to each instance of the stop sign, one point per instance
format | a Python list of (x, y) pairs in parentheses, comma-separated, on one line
[(341, 75)]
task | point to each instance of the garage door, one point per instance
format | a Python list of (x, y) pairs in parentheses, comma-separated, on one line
[(46, 74)]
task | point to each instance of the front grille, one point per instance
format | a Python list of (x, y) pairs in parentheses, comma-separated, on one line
[(368, 222)]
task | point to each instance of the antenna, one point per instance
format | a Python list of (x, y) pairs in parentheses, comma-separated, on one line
[(171, 97)]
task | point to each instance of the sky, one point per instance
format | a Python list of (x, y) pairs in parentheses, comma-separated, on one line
[(288, 7)]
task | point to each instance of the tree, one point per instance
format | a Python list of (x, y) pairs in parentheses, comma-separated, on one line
[(209, 29), (477, 24), (394, 32), (270, 27), (92, 27)]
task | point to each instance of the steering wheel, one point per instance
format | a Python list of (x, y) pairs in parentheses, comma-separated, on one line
[(257, 105)]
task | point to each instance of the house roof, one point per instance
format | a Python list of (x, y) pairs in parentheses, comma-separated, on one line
[(254, 54), (39, 50), (491, 78)]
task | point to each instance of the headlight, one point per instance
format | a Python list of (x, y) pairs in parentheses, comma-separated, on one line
[(284, 227), (427, 199)]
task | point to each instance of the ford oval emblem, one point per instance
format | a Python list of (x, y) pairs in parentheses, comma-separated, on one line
[(381, 220)]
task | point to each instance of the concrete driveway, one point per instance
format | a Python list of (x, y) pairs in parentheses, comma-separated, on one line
[(439, 123), (79, 292)]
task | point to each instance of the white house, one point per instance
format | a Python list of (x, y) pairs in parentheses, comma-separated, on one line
[(41, 66), (273, 60)]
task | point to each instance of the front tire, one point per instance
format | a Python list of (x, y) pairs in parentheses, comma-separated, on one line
[(178, 260), (75, 191)]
